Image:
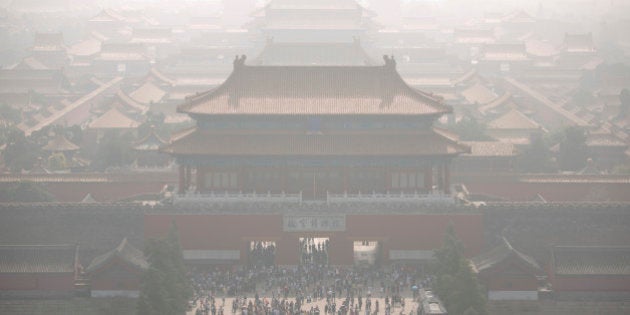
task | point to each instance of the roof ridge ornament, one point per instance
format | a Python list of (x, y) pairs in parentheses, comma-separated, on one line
[(390, 61), (239, 61)]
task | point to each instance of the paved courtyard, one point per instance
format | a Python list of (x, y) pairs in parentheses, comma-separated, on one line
[(410, 304)]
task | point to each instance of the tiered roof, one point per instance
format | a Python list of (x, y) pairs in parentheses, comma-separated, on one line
[(49, 42), (153, 35), (478, 94), (504, 52), (122, 52), (38, 258), (202, 142), (593, 261), (490, 149), (147, 93), (474, 36), (152, 142), (60, 144), (485, 262), (514, 119), (330, 90), (307, 15), (323, 54), (125, 252), (113, 119), (579, 43)]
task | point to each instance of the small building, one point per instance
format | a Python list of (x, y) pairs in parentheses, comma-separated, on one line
[(486, 156), (606, 149), (38, 270), (513, 127), (504, 57), (50, 49), (118, 272), (59, 143), (507, 273), (147, 151), (113, 120), (590, 271)]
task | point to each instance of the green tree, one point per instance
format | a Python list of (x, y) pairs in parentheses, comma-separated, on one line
[(469, 129), (536, 157), (573, 151), (624, 98), (57, 161), (113, 150), (583, 97), (165, 288), (456, 283), (25, 192), (9, 113), (21, 152)]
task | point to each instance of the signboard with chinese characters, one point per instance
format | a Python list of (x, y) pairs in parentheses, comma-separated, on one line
[(314, 223)]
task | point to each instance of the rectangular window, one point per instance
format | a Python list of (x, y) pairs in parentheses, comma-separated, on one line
[(403, 180)]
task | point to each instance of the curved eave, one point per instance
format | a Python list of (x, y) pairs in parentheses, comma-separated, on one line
[(436, 103)]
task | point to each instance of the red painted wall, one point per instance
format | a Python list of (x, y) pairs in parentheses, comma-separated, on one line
[(44, 282), (591, 283), (398, 232), (553, 192), (102, 192), (116, 276)]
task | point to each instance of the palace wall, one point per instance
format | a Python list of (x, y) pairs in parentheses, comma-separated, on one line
[(531, 227)]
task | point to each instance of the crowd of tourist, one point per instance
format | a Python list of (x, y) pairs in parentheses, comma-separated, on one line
[(273, 290)]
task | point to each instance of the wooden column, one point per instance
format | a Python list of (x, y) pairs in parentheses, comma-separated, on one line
[(428, 177), (344, 171), (447, 178), (182, 180), (440, 177), (284, 178), (201, 184), (188, 177)]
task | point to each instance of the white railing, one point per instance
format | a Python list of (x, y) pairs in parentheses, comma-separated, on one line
[(374, 197), (231, 197)]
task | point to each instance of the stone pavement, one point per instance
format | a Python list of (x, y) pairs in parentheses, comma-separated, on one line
[(410, 305)]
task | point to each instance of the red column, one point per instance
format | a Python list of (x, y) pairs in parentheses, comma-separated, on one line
[(188, 177), (440, 177), (447, 178), (428, 177), (344, 170), (199, 179), (284, 173), (181, 189)]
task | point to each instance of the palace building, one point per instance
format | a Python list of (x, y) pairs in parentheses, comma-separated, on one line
[(314, 164), (316, 132)]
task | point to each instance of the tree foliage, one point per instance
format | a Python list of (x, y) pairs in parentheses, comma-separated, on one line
[(21, 152), (583, 97), (165, 287), (573, 152), (624, 98), (469, 129), (25, 192), (536, 157), (456, 282), (114, 150)]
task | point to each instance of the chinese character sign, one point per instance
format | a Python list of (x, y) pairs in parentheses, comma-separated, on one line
[(314, 223)]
